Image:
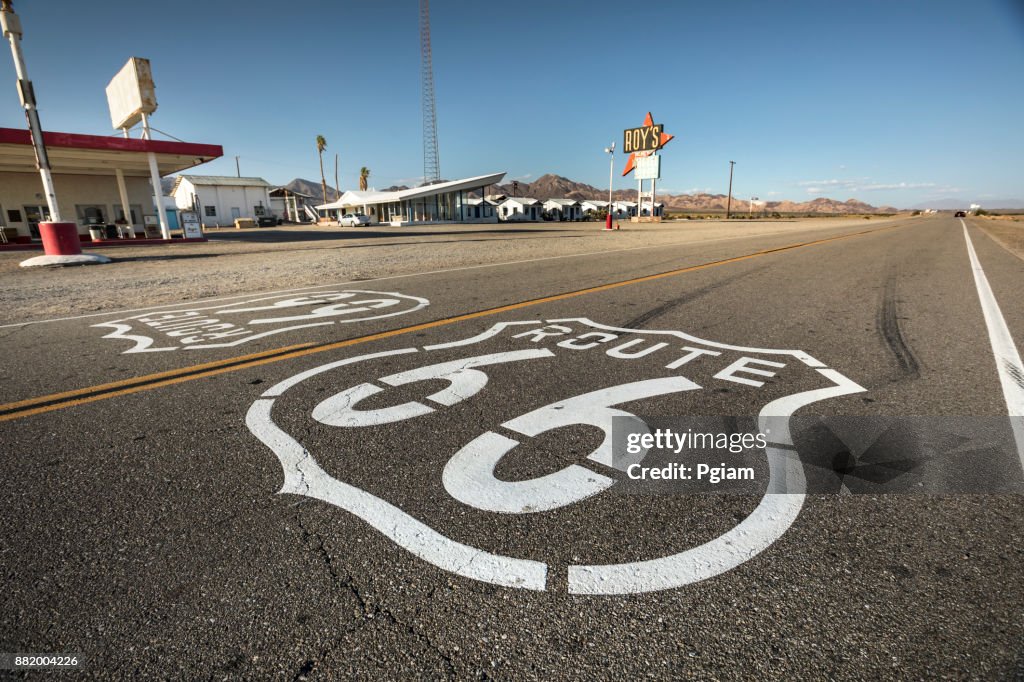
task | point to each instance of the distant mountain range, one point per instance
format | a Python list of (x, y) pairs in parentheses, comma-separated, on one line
[(552, 186), (314, 189)]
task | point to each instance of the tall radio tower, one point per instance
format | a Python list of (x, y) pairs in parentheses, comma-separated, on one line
[(431, 164)]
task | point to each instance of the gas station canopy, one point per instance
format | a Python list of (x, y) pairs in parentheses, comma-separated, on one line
[(72, 153)]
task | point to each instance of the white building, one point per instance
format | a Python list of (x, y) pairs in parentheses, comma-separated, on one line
[(443, 202), (481, 211), (624, 209), (292, 206), (593, 206), (520, 209), (563, 209), (220, 199), (659, 209)]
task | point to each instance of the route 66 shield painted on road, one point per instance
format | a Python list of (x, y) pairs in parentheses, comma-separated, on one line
[(510, 429)]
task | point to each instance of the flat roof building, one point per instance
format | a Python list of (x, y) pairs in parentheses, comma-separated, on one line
[(443, 202), (94, 175)]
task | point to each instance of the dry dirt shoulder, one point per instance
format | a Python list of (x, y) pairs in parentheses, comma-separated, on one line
[(145, 276), (1007, 232)]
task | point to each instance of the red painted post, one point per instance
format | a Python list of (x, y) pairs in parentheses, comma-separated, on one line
[(60, 239)]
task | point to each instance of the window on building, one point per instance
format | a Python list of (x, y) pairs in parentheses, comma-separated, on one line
[(91, 214), (211, 211), (13, 216), (136, 211)]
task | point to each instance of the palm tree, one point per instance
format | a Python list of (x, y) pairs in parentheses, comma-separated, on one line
[(321, 145), (364, 173)]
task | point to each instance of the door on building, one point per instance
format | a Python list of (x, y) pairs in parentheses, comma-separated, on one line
[(35, 215), (236, 212)]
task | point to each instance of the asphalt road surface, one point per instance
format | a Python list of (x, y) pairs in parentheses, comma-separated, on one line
[(416, 477)]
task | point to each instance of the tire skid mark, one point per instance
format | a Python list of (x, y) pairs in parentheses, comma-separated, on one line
[(890, 328)]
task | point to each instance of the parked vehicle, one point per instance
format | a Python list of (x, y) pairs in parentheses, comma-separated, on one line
[(269, 220), (354, 220)]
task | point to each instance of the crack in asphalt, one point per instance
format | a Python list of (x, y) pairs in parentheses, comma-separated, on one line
[(370, 611)]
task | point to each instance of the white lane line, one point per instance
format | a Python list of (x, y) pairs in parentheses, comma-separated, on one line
[(189, 304), (1008, 362)]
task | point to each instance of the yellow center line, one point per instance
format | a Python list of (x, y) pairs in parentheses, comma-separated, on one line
[(81, 396)]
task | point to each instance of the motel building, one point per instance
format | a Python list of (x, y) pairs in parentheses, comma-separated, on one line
[(95, 177), (563, 209), (443, 202), (294, 207), (520, 209)]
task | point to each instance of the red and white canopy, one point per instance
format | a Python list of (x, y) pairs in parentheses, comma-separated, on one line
[(98, 155)]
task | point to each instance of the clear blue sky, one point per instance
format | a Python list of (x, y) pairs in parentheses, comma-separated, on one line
[(891, 102)]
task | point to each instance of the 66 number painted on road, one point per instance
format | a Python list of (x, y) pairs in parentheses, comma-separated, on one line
[(469, 474)]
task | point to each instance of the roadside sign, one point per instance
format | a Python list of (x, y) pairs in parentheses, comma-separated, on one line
[(646, 138), (648, 167)]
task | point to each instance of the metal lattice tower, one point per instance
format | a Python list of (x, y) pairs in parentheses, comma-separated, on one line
[(431, 164)]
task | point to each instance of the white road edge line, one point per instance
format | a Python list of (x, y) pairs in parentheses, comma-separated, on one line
[(1008, 362), (189, 304)]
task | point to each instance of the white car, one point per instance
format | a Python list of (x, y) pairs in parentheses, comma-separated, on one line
[(354, 220)]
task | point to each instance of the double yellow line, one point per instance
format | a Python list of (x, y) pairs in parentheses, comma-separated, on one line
[(81, 396)]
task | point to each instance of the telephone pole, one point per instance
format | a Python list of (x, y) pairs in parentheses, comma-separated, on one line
[(61, 244), (728, 204), (12, 31)]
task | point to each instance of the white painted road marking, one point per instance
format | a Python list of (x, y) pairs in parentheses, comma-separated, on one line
[(1008, 362), (469, 475), (774, 515), (193, 328)]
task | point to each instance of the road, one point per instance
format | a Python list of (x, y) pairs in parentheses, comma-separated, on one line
[(411, 476)]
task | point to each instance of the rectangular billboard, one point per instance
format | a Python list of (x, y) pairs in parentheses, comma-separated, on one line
[(648, 167), (131, 93)]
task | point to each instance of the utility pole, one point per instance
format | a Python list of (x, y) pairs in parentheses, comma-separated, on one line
[(12, 31), (337, 187), (728, 205), (238, 168), (61, 244), (611, 175)]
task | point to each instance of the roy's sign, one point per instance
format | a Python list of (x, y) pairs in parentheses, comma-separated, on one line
[(646, 138)]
